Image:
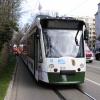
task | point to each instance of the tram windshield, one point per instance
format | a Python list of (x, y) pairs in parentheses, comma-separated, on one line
[(61, 43)]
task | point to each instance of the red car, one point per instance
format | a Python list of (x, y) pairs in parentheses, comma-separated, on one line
[(89, 54)]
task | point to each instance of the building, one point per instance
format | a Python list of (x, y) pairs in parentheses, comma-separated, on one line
[(97, 18), (90, 23)]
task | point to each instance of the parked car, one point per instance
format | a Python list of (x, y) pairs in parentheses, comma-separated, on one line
[(97, 54), (89, 54)]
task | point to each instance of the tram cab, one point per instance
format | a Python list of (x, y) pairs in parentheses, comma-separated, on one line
[(56, 50)]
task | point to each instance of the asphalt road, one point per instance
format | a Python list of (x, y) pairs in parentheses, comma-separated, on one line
[(92, 84), (25, 87)]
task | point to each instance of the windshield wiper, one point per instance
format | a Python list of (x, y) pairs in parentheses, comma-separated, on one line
[(76, 40)]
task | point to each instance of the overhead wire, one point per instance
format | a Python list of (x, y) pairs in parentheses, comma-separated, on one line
[(78, 6)]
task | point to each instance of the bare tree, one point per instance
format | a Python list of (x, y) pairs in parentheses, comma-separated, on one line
[(8, 19)]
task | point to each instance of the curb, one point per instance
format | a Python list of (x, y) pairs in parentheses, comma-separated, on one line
[(9, 91), (11, 84)]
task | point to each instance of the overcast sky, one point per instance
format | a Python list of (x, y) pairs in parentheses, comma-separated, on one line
[(63, 7)]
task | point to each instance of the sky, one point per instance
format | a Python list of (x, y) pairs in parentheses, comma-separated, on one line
[(63, 7)]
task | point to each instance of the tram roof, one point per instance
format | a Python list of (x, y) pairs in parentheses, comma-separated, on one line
[(72, 23), (61, 22), (46, 17)]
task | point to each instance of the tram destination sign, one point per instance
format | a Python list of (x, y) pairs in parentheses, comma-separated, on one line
[(62, 24)]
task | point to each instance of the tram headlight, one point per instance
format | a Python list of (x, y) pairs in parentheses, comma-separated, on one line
[(51, 66)]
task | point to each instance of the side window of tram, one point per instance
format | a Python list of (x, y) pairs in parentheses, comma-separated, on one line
[(40, 59)]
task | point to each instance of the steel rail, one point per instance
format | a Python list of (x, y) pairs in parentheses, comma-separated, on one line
[(85, 93)]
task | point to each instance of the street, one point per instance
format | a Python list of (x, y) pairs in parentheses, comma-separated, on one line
[(25, 87)]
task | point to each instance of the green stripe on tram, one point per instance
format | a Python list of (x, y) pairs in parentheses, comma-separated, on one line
[(57, 78)]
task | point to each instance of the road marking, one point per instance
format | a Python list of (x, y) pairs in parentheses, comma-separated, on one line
[(93, 81), (93, 67)]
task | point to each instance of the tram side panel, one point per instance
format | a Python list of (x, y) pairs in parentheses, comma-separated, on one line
[(31, 58), (28, 52), (31, 53)]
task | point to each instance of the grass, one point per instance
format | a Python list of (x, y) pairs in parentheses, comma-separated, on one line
[(6, 75), (0, 59)]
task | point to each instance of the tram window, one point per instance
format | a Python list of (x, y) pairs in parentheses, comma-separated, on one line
[(30, 46), (40, 53)]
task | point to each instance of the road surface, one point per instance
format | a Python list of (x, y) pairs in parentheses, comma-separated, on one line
[(25, 87)]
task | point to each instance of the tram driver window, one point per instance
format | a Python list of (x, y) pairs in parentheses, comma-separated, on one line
[(40, 58)]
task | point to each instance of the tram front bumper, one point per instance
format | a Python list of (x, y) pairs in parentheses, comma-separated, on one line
[(58, 78)]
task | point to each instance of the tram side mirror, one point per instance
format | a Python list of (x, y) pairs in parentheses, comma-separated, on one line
[(86, 33)]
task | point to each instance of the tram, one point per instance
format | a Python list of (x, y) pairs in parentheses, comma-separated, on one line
[(55, 50)]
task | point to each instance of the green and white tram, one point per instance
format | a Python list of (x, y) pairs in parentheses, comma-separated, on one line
[(55, 50)]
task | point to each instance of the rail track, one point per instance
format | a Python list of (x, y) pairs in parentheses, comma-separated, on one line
[(62, 97)]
